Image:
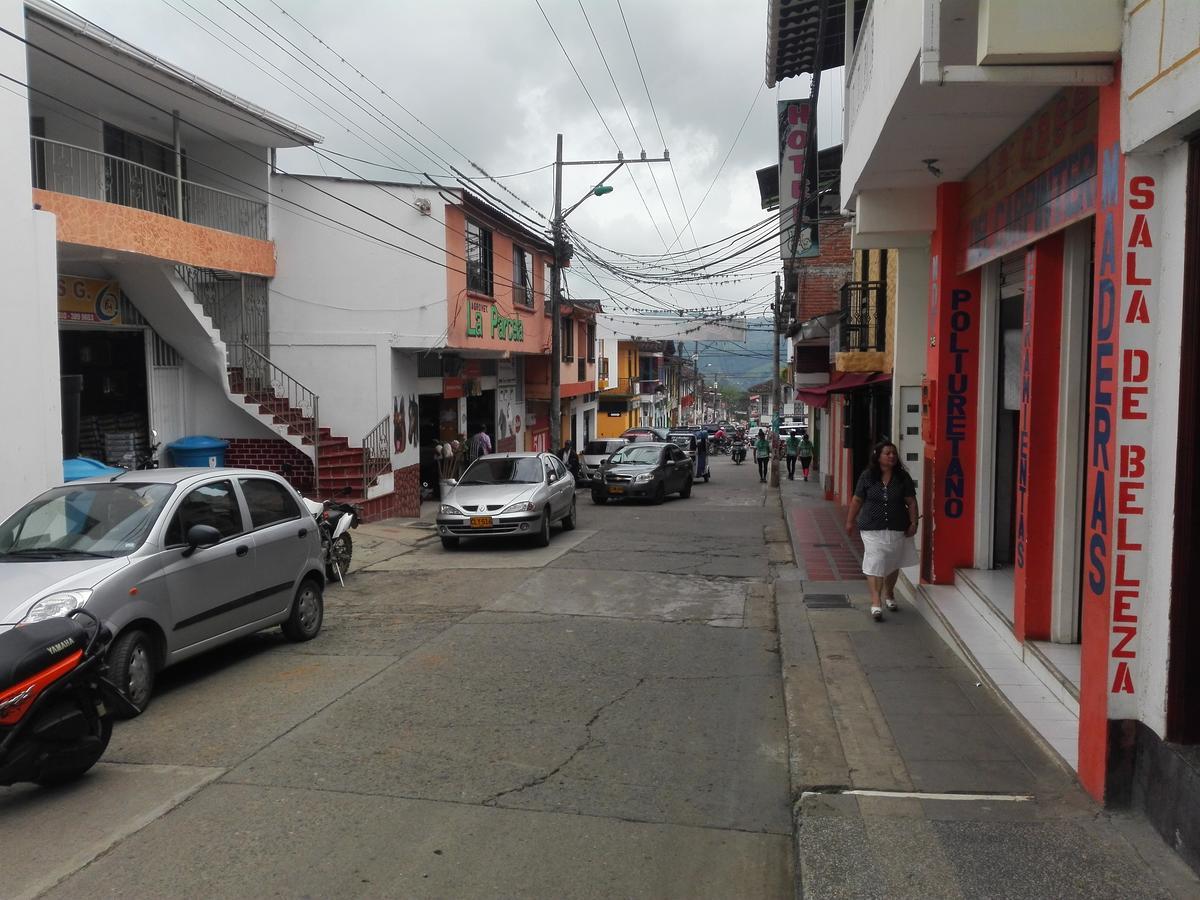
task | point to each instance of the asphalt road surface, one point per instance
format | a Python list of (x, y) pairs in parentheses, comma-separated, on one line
[(603, 717)]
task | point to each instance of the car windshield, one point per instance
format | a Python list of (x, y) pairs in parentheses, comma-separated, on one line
[(637, 456), (504, 470), (683, 440), (78, 521)]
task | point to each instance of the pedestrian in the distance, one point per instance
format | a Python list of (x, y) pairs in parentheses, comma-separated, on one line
[(884, 509), (806, 453), (762, 454), (701, 438), (790, 448)]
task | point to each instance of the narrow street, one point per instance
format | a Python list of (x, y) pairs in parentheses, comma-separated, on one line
[(603, 717)]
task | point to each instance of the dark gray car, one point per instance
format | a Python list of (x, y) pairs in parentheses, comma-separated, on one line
[(645, 470), (174, 561)]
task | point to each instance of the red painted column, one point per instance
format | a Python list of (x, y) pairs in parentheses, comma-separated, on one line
[(952, 370), (1036, 453), (1101, 442)]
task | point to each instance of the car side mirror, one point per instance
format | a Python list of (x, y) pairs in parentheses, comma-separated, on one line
[(201, 536)]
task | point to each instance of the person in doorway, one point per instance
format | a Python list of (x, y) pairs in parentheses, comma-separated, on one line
[(570, 459), (481, 444), (762, 454), (790, 448), (805, 452), (884, 510)]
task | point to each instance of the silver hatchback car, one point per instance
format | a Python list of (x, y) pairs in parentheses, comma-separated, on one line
[(174, 561)]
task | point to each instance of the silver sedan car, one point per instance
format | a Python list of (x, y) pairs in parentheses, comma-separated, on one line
[(174, 561), (505, 494)]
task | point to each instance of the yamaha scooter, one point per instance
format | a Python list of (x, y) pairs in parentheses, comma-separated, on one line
[(56, 702)]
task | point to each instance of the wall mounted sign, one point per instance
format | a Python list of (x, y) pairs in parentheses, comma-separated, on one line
[(92, 300), (495, 324), (1038, 181), (795, 193)]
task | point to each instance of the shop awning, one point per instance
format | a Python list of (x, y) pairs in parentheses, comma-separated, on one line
[(818, 395)]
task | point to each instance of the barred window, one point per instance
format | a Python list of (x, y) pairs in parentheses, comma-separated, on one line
[(479, 259), (522, 277), (591, 341), (568, 340)]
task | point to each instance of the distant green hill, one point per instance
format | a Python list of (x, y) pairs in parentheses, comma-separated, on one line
[(741, 364)]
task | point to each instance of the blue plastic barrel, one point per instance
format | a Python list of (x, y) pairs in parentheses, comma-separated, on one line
[(198, 451), (86, 467)]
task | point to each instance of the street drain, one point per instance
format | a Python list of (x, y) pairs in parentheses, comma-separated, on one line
[(826, 601)]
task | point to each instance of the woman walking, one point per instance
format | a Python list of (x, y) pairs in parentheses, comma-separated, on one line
[(762, 454), (806, 453), (884, 509)]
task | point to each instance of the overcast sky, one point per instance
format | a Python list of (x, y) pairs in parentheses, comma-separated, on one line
[(489, 78)]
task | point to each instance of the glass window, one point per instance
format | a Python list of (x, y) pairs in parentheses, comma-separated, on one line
[(503, 470), (559, 469), (479, 259), (638, 456), (268, 501), (74, 521), (212, 504), (568, 340), (522, 277)]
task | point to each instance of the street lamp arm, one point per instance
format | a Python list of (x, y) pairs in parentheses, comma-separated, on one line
[(570, 209)]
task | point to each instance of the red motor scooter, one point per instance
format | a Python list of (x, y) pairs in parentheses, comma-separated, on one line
[(56, 702)]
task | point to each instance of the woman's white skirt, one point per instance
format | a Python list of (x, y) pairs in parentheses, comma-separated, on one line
[(886, 551)]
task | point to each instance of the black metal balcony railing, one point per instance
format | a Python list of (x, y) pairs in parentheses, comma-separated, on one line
[(81, 172), (864, 316)]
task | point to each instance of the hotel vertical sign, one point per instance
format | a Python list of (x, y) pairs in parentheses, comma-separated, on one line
[(797, 140)]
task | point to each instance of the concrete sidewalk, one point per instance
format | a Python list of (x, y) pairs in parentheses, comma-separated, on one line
[(909, 776)]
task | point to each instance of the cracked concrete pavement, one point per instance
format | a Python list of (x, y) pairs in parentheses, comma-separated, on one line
[(603, 717)]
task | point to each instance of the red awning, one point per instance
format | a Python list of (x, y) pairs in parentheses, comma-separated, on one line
[(817, 396)]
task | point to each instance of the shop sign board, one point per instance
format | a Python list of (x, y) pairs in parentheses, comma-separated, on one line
[(95, 301), (1132, 375), (453, 387), (489, 320), (1040, 180), (797, 179), (508, 409)]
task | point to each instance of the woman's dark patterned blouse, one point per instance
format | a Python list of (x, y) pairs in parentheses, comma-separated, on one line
[(884, 505)]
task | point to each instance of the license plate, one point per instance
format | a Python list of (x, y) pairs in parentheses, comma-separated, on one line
[(616, 490), (481, 521)]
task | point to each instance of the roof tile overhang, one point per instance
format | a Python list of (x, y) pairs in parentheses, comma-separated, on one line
[(793, 27)]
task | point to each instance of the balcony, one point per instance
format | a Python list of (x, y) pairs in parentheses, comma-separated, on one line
[(864, 317), (80, 172)]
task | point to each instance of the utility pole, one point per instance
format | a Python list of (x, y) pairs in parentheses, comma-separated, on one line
[(556, 307), (562, 255), (776, 310)]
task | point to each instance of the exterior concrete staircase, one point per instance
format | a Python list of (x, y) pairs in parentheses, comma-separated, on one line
[(251, 382)]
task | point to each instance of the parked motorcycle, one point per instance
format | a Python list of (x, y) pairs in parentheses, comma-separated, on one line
[(56, 702), (738, 452), (334, 521)]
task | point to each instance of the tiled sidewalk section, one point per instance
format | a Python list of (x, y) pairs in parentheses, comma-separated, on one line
[(825, 552)]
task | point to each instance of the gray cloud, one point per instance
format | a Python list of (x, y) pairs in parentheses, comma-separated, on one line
[(489, 77)]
